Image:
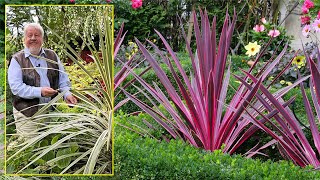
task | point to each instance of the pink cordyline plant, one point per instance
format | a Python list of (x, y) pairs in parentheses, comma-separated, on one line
[(288, 132), (123, 73), (197, 110)]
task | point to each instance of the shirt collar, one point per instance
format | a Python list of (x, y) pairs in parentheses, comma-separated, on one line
[(27, 52)]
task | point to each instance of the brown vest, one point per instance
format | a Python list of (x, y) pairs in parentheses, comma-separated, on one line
[(31, 77)]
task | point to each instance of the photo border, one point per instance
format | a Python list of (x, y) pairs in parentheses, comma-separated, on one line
[(5, 100)]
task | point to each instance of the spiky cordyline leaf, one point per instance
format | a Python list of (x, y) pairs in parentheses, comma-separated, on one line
[(202, 96), (292, 139)]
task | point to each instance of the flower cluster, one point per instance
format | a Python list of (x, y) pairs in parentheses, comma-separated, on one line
[(261, 32), (132, 48), (136, 4), (283, 82), (310, 13), (260, 28)]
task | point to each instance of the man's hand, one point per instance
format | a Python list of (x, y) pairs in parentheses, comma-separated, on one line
[(70, 99), (48, 92)]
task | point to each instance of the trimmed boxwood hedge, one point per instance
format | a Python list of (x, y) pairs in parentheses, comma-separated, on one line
[(139, 157)]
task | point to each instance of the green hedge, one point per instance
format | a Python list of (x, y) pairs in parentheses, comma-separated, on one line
[(137, 157)]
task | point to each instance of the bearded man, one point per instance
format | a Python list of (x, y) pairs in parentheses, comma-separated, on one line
[(35, 76)]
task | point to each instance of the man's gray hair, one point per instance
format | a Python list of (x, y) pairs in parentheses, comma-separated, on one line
[(34, 25)]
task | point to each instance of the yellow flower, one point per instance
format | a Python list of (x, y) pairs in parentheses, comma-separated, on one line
[(282, 82), (299, 61), (252, 48), (271, 78), (289, 83)]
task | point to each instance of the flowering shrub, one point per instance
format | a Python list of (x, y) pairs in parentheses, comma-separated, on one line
[(296, 62), (131, 49), (267, 33), (134, 3), (262, 32), (310, 18)]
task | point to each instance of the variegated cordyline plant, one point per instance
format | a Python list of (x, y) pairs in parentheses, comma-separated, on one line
[(79, 143), (288, 133), (198, 113)]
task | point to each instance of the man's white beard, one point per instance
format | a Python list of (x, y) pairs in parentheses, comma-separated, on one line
[(34, 51)]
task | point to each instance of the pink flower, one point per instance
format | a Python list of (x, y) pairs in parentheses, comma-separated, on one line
[(306, 30), (305, 19), (318, 17), (263, 20), (304, 9), (72, 1), (274, 33), (316, 25), (108, 1), (258, 28), (136, 4), (308, 4)]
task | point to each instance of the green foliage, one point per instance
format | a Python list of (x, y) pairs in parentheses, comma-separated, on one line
[(149, 77), (2, 74), (71, 22), (163, 16), (239, 62), (141, 22), (144, 158), (41, 165), (276, 45)]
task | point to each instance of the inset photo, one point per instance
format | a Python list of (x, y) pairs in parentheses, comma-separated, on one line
[(59, 90)]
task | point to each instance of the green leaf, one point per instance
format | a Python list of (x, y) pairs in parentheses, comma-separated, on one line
[(44, 143), (55, 139), (40, 162), (74, 147), (50, 155), (66, 161)]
